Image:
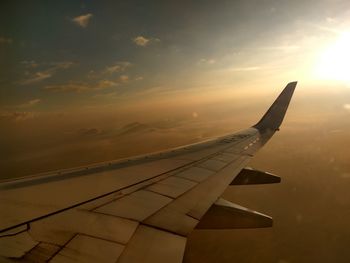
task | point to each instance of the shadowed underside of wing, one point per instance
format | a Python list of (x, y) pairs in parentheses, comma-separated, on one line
[(137, 210)]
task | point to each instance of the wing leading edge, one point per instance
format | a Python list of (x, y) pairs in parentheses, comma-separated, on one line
[(136, 210)]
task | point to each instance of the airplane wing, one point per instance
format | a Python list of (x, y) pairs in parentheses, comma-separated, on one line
[(135, 210)]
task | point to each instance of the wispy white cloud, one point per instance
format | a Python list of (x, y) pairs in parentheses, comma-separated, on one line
[(62, 65), (44, 74), (68, 87), (6, 40), (117, 67), (244, 68), (329, 25), (37, 77), (30, 103), (16, 116), (331, 20), (143, 41), (124, 78), (90, 132), (281, 47), (83, 20), (30, 63), (98, 80), (113, 69), (103, 84), (206, 61), (104, 96), (79, 87)]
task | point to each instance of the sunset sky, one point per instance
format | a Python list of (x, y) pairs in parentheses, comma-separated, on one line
[(81, 81), (74, 54)]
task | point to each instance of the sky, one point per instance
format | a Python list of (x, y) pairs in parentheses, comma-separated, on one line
[(84, 54), (81, 81)]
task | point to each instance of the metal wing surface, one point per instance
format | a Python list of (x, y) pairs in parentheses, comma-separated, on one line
[(135, 210)]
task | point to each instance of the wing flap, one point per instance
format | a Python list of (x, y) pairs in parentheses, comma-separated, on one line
[(16, 246), (137, 206), (60, 228), (226, 215), (84, 248), (252, 176), (196, 174), (150, 245), (41, 253), (172, 186)]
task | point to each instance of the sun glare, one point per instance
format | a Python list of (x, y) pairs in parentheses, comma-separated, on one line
[(334, 62)]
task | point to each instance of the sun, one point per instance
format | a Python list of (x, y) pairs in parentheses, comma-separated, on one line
[(334, 62)]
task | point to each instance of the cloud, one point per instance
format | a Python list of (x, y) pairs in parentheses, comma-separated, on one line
[(117, 67), (30, 103), (113, 69), (30, 63), (105, 96), (99, 80), (6, 40), (143, 41), (78, 87), (331, 20), (245, 68), (37, 77), (135, 127), (44, 74), (286, 48), (328, 28), (16, 116), (124, 78), (48, 65), (103, 84), (205, 61), (69, 87), (90, 132), (62, 65), (82, 20)]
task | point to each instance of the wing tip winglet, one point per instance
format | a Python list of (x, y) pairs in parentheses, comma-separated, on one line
[(274, 116), (292, 85)]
